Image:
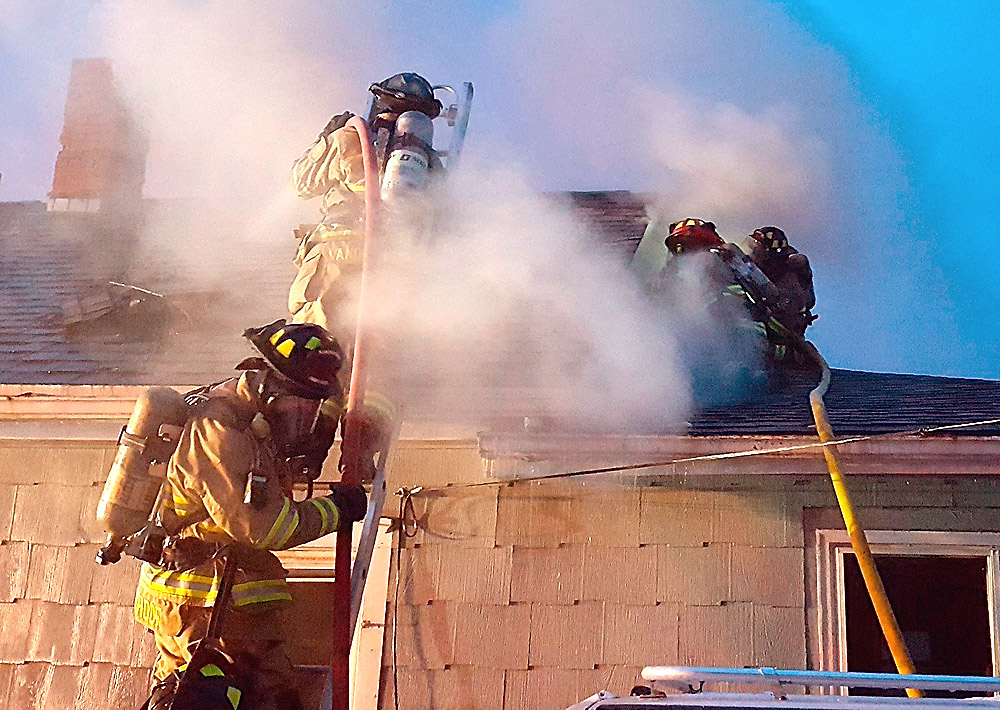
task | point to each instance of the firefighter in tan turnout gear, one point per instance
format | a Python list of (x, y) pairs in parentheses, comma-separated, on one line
[(229, 489), (329, 255)]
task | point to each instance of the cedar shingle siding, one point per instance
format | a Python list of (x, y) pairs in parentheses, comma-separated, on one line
[(66, 633), (723, 583)]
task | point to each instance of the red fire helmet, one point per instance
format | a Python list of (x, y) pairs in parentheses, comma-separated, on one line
[(693, 235)]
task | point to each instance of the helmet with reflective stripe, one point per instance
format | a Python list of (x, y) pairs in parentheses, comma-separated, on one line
[(770, 238), (405, 92), (304, 355), (693, 235)]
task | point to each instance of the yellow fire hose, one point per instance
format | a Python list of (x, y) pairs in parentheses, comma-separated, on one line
[(859, 542)]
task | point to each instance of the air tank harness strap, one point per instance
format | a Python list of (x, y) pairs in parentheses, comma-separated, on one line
[(129, 439)]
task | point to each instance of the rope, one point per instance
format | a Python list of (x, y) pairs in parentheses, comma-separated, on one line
[(712, 457)]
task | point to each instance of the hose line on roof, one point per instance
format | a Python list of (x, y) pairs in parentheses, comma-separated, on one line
[(859, 541)]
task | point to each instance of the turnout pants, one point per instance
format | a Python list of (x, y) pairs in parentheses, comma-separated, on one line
[(254, 638), (325, 289)]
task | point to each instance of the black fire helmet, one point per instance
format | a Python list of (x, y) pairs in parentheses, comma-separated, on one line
[(305, 356)]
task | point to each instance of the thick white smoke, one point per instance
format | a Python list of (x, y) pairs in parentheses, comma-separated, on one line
[(512, 287), (735, 166), (514, 290), (733, 112), (229, 99), (725, 111)]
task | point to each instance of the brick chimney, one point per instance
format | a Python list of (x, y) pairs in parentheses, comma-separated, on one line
[(102, 164)]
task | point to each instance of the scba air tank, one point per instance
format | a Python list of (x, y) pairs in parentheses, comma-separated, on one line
[(408, 163), (139, 469)]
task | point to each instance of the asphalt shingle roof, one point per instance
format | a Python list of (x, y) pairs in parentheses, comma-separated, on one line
[(50, 260), (859, 403)]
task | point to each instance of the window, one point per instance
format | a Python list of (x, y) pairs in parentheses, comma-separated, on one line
[(942, 586)]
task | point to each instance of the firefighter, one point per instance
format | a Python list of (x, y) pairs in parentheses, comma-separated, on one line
[(789, 270), (690, 237), (230, 489), (726, 348), (329, 256)]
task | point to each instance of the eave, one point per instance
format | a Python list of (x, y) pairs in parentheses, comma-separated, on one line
[(515, 455), (97, 412)]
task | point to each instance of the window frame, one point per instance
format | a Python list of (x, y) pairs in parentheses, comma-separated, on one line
[(831, 545)]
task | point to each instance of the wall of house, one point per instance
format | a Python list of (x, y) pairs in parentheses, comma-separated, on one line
[(532, 595), (66, 633), (538, 595)]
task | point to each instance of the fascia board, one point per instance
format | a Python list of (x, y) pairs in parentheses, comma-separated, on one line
[(550, 454)]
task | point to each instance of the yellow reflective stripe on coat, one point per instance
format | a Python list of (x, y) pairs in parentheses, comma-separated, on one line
[(328, 513), (380, 407), (179, 503), (334, 513), (292, 527), (324, 516), (260, 591), (284, 526), (184, 585), (202, 590)]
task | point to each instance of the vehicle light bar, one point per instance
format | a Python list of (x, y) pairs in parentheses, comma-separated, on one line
[(683, 677)]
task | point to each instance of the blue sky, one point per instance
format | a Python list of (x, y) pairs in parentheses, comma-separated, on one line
[(891, 108), (930, 71)]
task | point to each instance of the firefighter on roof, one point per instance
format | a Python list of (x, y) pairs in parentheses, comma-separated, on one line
[(780, 313), (787, 269), (724, 296), (725, 339), (329, 256), (247, 441)]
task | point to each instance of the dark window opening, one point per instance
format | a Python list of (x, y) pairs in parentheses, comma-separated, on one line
[(942, 608)]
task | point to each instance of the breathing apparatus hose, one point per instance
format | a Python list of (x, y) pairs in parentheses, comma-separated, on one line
[(859, 541), (343, 630)]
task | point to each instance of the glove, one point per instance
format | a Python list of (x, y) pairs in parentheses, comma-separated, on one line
[(367, 433), (336, 123), (350, 500)]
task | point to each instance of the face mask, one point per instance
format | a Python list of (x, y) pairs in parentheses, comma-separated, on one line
[(292, 420), (302, 433)]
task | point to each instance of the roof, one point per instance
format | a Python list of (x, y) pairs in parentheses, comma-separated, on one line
[(56, 268), (859, 403)]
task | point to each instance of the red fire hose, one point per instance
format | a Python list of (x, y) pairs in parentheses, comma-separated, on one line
[(343, 631)]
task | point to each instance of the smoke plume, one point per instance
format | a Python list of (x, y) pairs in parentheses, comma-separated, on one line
[(514, 290), (729, 112)]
